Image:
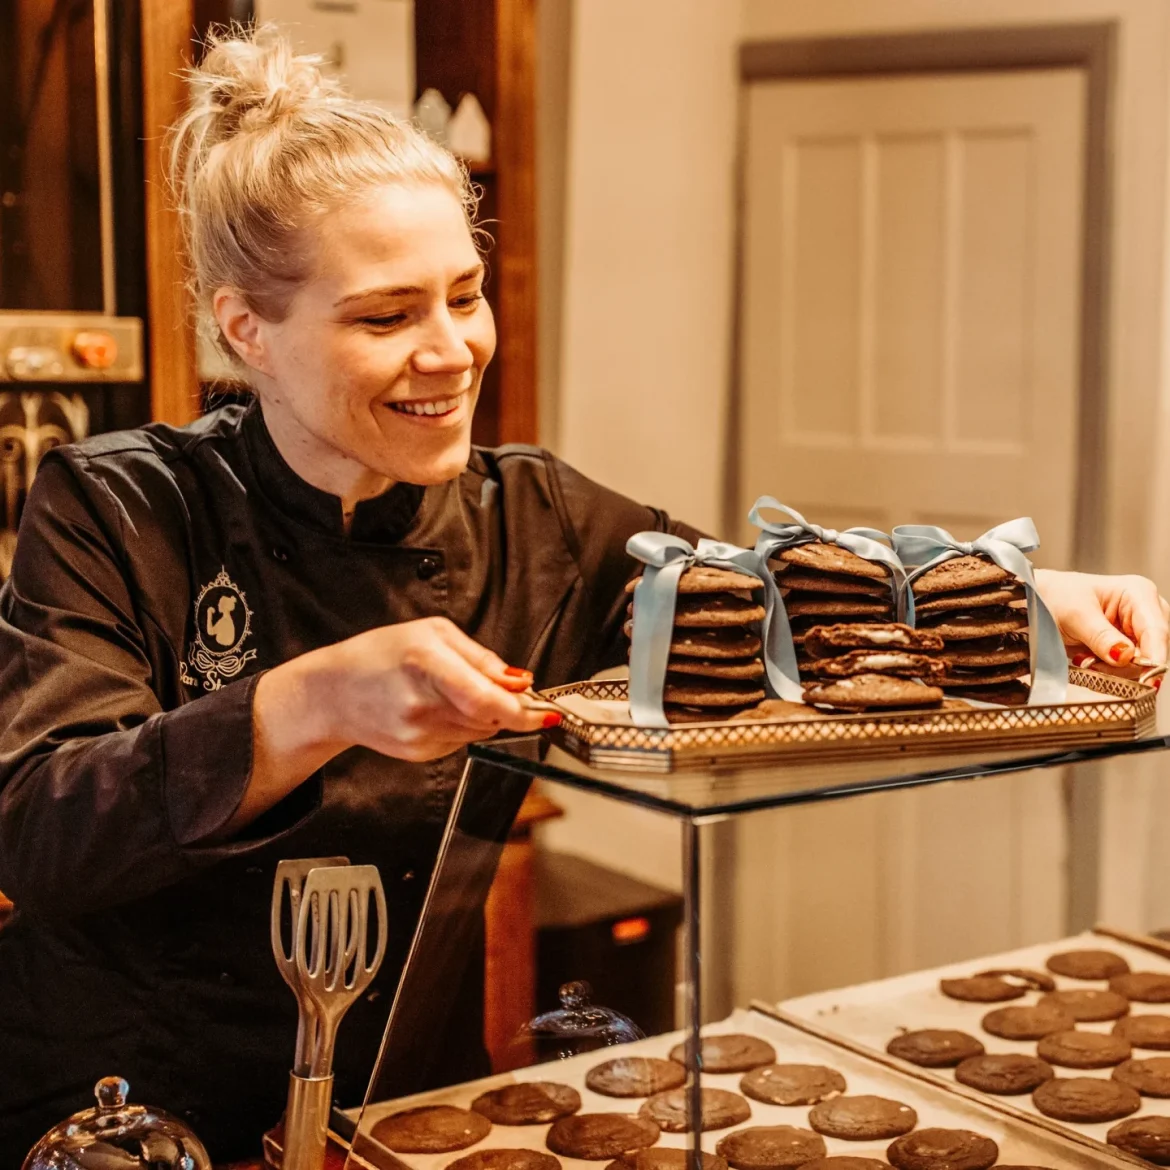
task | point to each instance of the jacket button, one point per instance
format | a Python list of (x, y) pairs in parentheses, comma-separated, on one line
[(226, 979), (280, 554), (427, 568)]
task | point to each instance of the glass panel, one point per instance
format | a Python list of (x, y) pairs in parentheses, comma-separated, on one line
[(727, 788)]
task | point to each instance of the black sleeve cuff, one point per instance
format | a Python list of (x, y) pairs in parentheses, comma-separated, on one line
[(207, 750)]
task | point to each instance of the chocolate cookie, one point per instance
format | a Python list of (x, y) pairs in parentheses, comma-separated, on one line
[(720, 1109), (814, 605), (1083, 1049), (1012, 694), (1028, 1023), (969, 599), (730, 1053), (431, 1129), (970, 572), (770, 1147), (792, 1084), (1087, 964), (1147, 1137), (677, 713), (505, 1160), (634, 1076), (1022, 977), (1142, 986), (1151, 1077), (1087, 1005), (664, 1158), (862, 1119), (729, 643), (707, 579), (1145, 1031), (845, 1162), (943, 1149), (1004, 1074), (794, 577), (715, 611), (987, 624), (527, 1103), (865, 691), (935, 1047), (595, 1136), (894, 662), (824, 640), (830, 558), (724, 693), (1086, 1099), (752, 668), (984, 676), (981, 989), (778, 709), (962, 656)]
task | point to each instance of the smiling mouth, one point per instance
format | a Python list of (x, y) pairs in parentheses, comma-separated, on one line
[(435, 408)]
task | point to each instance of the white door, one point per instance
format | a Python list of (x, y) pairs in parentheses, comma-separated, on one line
[(911, 277), (909, 354)]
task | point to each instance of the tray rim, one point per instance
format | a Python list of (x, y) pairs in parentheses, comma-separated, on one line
[(1124, 714)]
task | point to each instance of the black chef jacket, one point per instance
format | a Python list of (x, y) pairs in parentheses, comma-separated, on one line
[(158, 573)]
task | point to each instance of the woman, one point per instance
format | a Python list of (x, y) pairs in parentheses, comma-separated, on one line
[(269, 634)]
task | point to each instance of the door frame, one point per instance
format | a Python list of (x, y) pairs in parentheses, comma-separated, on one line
[(1091, 47)]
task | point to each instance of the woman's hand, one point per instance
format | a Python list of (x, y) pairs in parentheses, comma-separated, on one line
[(417, 691), (1109, 617), (421, 690)]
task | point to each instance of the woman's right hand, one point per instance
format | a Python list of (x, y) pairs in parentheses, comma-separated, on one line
[(416, 691), (420, 690)]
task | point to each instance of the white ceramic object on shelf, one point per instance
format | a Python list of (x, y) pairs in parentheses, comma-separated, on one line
[(433, 115), (469, 133)]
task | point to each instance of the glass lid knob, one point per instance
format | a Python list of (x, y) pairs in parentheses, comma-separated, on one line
[(578, 1025)]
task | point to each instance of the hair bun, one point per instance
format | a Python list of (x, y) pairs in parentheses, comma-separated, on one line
[(247, 83)]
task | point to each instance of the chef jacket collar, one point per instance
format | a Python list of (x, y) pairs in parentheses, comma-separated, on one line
[(383, 519)]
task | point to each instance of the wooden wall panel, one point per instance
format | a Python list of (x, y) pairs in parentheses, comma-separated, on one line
[(166, 44)]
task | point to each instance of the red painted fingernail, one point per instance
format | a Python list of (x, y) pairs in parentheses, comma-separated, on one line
[(1158, 683), (1117, 650), (1080, 659), (551, 719), (517, 672)]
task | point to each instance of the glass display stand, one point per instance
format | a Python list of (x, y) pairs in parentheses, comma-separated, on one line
[(495, 782)]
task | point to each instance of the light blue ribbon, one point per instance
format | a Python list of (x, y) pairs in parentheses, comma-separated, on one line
[(925, 546), (865, 542), (666, 558)]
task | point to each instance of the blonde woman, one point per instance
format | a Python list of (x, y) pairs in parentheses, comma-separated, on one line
[(270, 634)]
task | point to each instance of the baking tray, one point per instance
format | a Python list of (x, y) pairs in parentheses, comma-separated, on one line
[(1125, 711), (1020, 1142), (868, 1015)]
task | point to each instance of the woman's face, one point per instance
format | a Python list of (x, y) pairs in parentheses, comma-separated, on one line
[(373, 375)]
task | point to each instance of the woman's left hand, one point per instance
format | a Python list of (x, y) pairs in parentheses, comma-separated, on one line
[(1111, 617)]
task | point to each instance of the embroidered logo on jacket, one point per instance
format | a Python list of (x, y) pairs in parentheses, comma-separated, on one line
[(223, 622)]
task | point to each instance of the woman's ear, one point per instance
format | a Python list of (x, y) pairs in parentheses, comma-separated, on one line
[(242, 326)]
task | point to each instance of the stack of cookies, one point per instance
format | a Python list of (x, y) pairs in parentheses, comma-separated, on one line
[(859, 666), (824, 583), (979, 610), (715, 669)]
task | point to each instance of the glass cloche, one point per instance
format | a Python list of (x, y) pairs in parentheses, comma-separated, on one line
[(115, 1135)]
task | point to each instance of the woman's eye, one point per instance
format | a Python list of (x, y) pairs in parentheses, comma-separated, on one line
[(467, 301), (384, 322)]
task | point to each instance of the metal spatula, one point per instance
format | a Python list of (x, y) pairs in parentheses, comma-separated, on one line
[(290, 877), (334, 965)]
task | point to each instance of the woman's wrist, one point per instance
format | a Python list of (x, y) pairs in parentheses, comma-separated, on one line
[(299, 706)]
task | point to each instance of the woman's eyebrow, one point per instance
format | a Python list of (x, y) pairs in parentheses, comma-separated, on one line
[(402, 290)]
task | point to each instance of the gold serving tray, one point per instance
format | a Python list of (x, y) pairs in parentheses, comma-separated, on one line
[(1126, 713)]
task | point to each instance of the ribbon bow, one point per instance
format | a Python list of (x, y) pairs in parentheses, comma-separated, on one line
[(666, 558), (865, 542), (925, 546)]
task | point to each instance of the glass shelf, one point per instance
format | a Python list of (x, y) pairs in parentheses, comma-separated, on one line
[(729, 789)]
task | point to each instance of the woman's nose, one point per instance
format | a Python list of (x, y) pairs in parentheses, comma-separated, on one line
[(443, 350)]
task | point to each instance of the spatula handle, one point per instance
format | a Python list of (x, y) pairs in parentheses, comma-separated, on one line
[(306, 1122)]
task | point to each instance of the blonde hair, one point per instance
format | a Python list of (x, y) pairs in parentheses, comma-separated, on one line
[(267, 143)]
